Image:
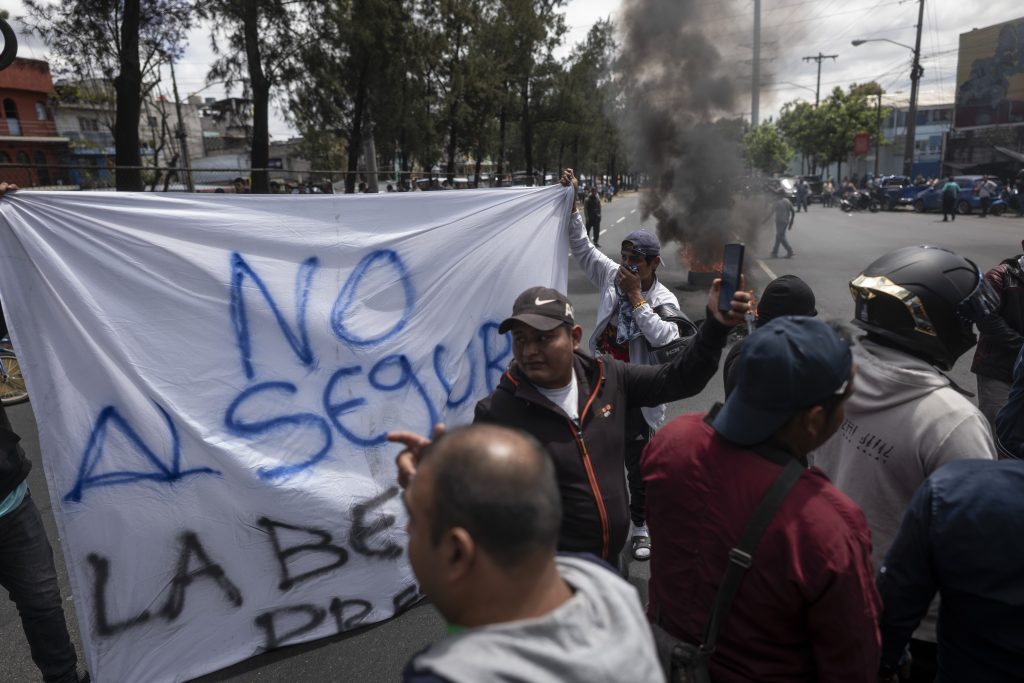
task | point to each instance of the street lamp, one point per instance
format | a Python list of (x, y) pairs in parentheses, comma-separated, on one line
[(915, 77)]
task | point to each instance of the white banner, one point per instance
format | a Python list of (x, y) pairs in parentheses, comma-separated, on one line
[(213, 376)]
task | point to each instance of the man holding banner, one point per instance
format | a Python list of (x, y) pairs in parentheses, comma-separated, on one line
[(576, 406)]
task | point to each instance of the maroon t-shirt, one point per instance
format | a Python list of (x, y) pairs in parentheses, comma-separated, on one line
[(807, 610)]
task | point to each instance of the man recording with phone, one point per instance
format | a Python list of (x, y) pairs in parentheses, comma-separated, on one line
[(630, 323)]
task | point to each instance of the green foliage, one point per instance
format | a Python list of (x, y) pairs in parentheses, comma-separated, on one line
[(766, 149), (826, 132)]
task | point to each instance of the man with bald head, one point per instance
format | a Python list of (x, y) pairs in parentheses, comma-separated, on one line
[(484, 517)]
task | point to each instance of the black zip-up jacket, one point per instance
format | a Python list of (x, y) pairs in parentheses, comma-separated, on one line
[(1000, 337), (589, 459)]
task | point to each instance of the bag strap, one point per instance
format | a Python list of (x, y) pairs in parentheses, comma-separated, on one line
[(741, 556)]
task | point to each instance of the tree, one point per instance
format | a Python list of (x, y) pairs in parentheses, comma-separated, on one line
[(801, 125), (533, 29), (843, 116), (257, 42), (766, 149), (122, 41)]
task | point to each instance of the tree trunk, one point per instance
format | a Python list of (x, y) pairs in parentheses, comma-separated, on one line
[(502, 137), (527, 130), (260, 87), (355, 138), (478, 164), (128, 86)]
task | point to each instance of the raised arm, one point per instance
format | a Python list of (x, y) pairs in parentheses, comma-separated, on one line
[(598, 267)]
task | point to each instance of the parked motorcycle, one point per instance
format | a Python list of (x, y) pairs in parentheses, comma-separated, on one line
[(859, 201)]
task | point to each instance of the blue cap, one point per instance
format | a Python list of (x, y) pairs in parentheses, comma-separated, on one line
[(791, 364), (642, 243)]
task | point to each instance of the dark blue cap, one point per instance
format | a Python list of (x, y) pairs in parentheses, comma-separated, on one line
[(642, 243), (791, 364)]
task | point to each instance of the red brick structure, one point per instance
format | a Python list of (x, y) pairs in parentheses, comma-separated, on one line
[(28, 134)]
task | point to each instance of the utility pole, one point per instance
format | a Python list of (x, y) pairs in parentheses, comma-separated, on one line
[(915, 78), (755, 86), (182, 134), (819, 58), (878, 129)]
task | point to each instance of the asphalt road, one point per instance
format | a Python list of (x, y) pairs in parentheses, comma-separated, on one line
[(831, 248)]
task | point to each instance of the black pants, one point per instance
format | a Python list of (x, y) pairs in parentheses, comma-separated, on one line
[(638, 434), (985, 203), (594, 225), (924, 664), (948, 207)]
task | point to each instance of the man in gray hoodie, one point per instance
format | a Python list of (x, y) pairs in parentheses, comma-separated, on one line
[(907, 418), (484, 517)]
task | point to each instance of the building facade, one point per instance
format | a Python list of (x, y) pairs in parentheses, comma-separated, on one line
[(32, 152)]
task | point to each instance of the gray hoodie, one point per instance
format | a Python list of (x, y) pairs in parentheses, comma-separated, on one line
[(903, 421), (599, 636)]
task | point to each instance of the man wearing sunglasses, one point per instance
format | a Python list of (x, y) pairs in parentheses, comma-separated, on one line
[(907, 419)]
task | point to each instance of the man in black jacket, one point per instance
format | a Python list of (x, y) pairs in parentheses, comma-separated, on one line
[(576, 406), (1001, 337)]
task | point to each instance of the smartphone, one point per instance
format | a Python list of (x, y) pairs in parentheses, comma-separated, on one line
[(732, 268)]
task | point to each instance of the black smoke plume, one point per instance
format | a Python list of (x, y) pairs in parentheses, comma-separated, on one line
[(683, 122)]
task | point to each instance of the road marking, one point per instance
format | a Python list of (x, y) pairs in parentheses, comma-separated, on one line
[(620, 220), (632, 210), (766, 269), (604, 231)]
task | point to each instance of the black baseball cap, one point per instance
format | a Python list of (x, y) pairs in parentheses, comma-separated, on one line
[(786, 295), (542, 308), (791, 364)]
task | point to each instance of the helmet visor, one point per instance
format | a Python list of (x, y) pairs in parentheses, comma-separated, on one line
[(979, 304)]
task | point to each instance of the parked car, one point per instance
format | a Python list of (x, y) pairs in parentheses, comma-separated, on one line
[(787, 185), (894, 191), (967, 201)]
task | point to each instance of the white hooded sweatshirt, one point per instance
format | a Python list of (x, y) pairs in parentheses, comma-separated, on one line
[(904, 420)]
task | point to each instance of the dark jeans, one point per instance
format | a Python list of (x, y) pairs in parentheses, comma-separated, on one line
[(924, 661), (985, 203), (638, 434), (28, 574), (596, 227), (948, 207)]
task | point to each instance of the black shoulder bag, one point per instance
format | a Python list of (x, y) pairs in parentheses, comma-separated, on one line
[(685, 662)]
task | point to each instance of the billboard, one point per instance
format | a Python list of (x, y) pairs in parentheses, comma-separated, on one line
[(990, 76)]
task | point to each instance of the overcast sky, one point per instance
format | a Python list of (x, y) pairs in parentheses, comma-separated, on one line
[(792, 29)]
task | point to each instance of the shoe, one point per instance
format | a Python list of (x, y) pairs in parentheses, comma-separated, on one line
[(790, 254), (641, 548), (945, 220)]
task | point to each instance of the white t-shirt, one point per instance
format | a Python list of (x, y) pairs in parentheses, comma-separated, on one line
[(567, 398)]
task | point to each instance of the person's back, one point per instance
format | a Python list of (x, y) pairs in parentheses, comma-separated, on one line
[(484, 512), (960, 537), (809, 575), (783, 210), (806, 606), (903, 423), (600, 634)]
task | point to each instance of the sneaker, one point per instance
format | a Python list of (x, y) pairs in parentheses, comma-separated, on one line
[(641, 548)]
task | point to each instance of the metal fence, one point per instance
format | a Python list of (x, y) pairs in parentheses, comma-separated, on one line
[(100, 173)]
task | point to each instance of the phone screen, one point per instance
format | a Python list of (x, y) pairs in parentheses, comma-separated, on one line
[(732, 267)]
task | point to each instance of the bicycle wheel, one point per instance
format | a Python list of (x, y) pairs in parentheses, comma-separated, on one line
[(12, 384)]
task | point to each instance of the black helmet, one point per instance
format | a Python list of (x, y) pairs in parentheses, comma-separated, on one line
[(924, 299)]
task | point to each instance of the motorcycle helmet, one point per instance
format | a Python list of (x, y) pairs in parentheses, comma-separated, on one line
[(924, 299)]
